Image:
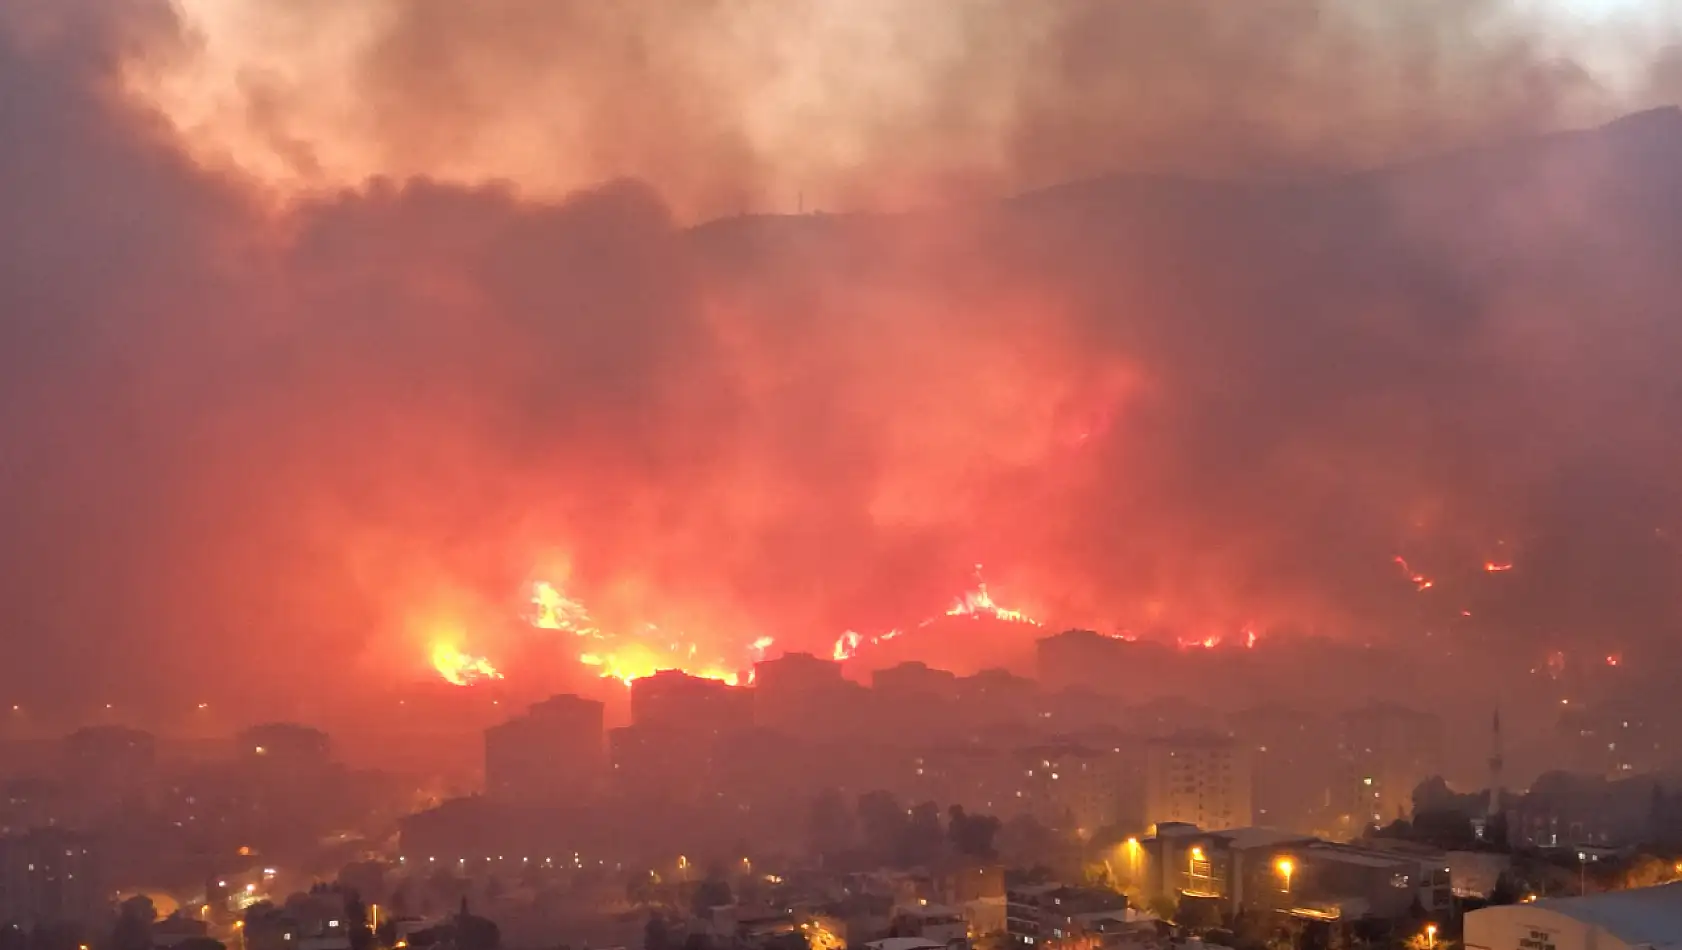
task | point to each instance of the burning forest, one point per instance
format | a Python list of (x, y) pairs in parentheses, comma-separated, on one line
[(301, 388)]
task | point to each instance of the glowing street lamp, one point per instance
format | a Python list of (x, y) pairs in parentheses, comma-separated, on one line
[(1286, 867)]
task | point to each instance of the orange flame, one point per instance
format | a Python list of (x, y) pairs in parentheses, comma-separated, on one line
[(976, 604), (1497, 567), (629, 658), (1420, 581), (460, 668)]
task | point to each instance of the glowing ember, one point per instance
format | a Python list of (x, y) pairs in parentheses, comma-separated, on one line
[(976, 604), (1614, 659), (1420, 581), (1556, 663), (460, 668), (1497, 567)]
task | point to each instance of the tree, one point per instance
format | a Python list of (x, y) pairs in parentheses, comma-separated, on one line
[(883, 822), (366, 878), (712, 892), (134, 924), (476, 933), (356, 922), (656, 934), (1448, 830), (1505, 891), (923, 838), (399, 900), (829, 824), (972, 835)]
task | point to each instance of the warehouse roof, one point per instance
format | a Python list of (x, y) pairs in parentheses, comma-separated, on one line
[(1643, 915)]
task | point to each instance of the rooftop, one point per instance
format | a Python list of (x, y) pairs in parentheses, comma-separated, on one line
[(905, 943), (1643, 915)]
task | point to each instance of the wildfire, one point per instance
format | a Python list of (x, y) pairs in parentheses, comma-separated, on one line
[(1420, 581), (975, 604), (460, 668), (553, 611), (629, 657), (634, 661)]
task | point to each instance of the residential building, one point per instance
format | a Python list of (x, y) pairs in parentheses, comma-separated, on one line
[(798, 693), (49, 876), (1386, 751), (1199, 778), (552, 753), (1292, 765), (1049, 913), (672, 699), (1260, 868)]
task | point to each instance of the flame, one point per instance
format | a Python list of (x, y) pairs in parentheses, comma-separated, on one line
[(846, 645), (976, 604), (460, 668), (629, 658), (1207, 643), (979, 603), (1420, 581), (557, 612), (1497, 567), (633, 661)]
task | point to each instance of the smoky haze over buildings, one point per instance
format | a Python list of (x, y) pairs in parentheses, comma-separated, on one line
[(269, 424)]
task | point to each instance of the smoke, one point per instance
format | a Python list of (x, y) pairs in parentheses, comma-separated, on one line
[(290, 434), (749, 104)]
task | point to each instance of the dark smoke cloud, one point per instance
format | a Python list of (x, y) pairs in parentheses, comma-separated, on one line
[(280, 445)]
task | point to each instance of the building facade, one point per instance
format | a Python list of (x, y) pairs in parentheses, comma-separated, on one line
[(1197, 778)]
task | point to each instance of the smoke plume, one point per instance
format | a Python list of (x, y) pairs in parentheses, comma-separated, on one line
[(270, 416)]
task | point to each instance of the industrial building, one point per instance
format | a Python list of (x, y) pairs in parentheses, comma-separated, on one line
[(1647, 917)]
